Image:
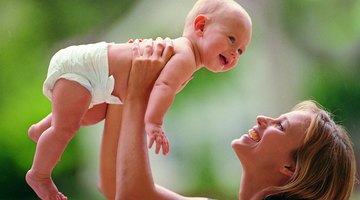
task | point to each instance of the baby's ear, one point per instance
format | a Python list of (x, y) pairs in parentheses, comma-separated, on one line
[(199, 24)]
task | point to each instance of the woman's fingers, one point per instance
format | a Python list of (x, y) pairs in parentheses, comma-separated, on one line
[(136, 48), (169, 50), (132, 41), (159, 47), (148, 50)]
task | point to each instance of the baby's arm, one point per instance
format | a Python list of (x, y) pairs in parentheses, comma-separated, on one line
[(176, 72)]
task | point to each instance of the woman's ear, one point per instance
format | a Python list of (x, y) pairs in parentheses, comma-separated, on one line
[(288, 169), (199, 24)]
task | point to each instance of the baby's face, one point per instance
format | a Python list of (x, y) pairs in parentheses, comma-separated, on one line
[(224, 41)]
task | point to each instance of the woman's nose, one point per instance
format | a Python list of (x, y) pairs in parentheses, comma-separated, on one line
[(262, 120)]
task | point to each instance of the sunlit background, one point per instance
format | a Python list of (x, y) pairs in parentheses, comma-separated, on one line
[(306, 49)]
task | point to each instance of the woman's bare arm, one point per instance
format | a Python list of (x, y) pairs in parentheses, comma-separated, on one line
[(108, 151), (134, 178)]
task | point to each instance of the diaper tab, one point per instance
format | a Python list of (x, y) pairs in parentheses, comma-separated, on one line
[(109, 89)]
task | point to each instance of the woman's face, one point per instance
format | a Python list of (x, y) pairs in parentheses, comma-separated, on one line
[(272, 141)]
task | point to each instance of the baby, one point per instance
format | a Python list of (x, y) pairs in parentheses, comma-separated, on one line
[(83, 79)]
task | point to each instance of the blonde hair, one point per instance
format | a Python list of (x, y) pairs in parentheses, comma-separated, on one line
[(325, 162), (213, 9)]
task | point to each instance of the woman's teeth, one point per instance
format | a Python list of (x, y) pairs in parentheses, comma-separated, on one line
[(253, 135)]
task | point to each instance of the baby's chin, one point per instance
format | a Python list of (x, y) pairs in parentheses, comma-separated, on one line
[(216, 69)]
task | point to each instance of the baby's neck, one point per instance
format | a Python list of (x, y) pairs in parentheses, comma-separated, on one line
[(195, 49)]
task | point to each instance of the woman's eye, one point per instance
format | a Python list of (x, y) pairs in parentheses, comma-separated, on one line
[(232, 39), (280, 127)]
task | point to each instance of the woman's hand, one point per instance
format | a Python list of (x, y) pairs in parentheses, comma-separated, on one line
[(147, 64)]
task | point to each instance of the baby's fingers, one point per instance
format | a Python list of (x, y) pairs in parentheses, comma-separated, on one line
[(165, 146), (159, 142), (151, 142)]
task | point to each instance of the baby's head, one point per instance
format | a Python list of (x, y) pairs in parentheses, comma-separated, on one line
[(220, 31)]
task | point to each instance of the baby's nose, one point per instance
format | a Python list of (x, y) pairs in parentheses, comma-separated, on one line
[(235, 53)]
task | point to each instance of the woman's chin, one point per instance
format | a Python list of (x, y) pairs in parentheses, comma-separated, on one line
[(238, 147), (242, 147)]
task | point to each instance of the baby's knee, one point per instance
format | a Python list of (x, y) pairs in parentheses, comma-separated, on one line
[(67, 130), (32, 133), (94, 115)]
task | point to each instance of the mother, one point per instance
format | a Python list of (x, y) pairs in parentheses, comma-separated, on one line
[(302, 154)]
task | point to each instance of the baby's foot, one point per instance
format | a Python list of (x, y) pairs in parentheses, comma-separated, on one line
[(44, 187)]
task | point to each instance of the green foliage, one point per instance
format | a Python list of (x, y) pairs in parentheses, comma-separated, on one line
[(29, 31), (322, 25), (340, 95)]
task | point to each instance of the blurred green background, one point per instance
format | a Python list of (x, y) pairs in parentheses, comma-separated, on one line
[(307, 49)]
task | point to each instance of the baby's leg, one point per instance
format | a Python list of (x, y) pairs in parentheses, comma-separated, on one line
[(92, 116), (69, 104), (95, 115)]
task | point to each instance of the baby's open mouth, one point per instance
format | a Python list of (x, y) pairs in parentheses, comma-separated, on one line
[(223, 60), (254, 135)]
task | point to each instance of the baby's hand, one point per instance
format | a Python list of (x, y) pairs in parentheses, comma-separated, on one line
[(156, 133)]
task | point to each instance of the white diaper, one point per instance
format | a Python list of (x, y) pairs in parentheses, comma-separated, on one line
[(87, 65)]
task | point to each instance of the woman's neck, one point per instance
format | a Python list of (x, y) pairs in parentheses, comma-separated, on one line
[(255, 186)]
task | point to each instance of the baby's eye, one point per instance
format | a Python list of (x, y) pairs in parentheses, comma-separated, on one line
[(232, 39), (240, 51)]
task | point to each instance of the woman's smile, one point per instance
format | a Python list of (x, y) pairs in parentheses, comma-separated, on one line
[(254, 135)]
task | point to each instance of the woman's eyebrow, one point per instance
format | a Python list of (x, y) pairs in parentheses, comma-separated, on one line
[(286, 120)]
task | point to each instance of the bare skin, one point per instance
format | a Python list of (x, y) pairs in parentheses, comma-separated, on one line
[(44, 185), (66, 107), (211, 42), (134, 173), (92, 116)]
